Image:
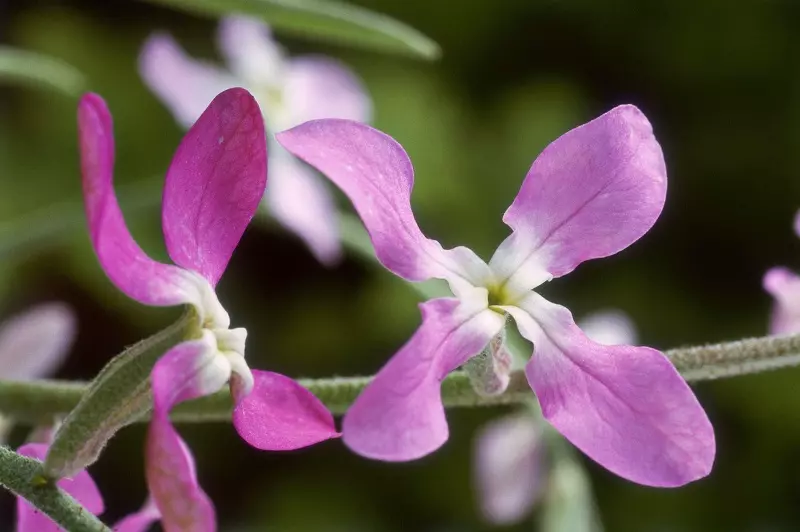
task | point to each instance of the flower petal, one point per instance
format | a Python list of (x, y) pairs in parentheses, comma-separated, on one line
[(189, 370), (590, 194), (609, 327), (376, 174), (139, 521), (185, 85), (399, 416), (81, 487), (129, 268), (509, 472), (301, 202), (215, 183), (784, 285), (626, 407), (251, 53), (33, 343), (281, 415), (321, 87)]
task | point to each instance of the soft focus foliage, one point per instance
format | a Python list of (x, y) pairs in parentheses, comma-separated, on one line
[(718, 80)]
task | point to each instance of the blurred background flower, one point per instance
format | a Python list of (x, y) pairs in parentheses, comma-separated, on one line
[(719, 81)]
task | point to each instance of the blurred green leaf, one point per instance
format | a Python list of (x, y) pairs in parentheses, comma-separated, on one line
[(323, 19), (35, 69)]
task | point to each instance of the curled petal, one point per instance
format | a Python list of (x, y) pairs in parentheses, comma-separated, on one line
[(321, 87), (399, 416), (509, 472), (129, 268), (215, 183), (281, 415), (374, 171), (189, 370), (609, 327), (590, 194), (626, 407), (33, 344), (81, 487), (251, 53), (301, 202), (139, 521), (186, 86), (784, 285)]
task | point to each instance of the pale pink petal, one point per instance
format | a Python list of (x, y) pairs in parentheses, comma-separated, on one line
[(784, 285), (281, 415), (185, 85), (81, 487), (609, 327), (626, 407), (189, 370), (376, 174), (34, 343), (129, 268), (250, 52), (509, 468), (590, 194), (399, 416), (215, 183), (301, 202), (139, 521), (797, 223), (321, 87)]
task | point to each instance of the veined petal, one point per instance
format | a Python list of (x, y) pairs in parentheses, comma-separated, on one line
[(189, 370), (185, 85), (321, 87), (301, 202), (399, 416), (81, 487), (784, 285), (591, 193), (33, 343), (140, 521), (250, 51), (281, 415), (609, 327), (374, 171), (626, 407), (127, 266), (509, 468), (215, 183)]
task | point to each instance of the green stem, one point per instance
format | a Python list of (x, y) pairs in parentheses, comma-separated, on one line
[(22, 476), (32, 402)]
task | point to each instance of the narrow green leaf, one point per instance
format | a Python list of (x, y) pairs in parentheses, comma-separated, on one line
[(323, 19), (35, 69), (22, 476), (118, 396)]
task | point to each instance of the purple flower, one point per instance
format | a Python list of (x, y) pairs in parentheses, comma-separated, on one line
[(290, 91), (784, 285), (212, 189), (590, 194)]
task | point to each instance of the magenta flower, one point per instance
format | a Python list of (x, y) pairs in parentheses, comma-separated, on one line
[(784, 285), (290, 91), (212, 189), (590, 194), (511, 470)]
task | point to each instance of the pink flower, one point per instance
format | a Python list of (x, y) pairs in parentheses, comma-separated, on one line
[(590, 194), (290, 91), (784, 285), (511, 469), (212, 189)]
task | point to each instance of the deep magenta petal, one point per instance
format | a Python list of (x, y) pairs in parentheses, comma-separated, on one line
[(129, 268), (215, 183), (626, 407), (399, 416), (280, 415)]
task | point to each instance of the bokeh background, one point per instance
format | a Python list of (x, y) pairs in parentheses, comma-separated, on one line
[(719, 80)]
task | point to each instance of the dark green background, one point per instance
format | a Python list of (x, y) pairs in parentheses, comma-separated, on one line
[(719, 80)]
